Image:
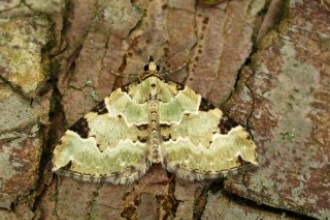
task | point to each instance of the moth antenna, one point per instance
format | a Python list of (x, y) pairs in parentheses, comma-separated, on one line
[(165, 72), (163, 60)]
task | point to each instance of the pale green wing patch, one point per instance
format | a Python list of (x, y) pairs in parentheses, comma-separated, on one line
[(197, 161), (106, 144), (204, 143), (85, 159), (134, 111)]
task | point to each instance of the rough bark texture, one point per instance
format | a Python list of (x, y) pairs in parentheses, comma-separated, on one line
[(267, 63)]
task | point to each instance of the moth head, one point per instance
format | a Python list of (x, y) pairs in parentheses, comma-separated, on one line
[(152, 66)]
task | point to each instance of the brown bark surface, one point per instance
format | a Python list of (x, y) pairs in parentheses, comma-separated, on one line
[(266, 63)]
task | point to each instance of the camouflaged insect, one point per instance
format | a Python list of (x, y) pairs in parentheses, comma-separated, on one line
[(151, 121)]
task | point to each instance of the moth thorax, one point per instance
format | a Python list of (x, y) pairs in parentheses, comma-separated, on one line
[(153, 90)]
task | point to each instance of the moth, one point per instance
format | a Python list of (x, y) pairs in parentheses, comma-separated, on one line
[(152, 120)]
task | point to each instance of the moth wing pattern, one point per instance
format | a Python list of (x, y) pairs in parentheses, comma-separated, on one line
[(204, 143), (105, 144)]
